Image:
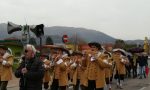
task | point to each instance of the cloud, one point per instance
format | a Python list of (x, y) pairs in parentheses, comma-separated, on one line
[(125, 19)]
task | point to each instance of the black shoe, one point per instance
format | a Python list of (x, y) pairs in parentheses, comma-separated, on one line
[(140, 77), (120, 87)]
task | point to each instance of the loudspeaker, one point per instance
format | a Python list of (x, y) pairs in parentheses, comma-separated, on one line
[(11, 27), (38, 30)]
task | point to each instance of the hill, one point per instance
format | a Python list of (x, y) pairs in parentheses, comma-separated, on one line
[(87, 35)]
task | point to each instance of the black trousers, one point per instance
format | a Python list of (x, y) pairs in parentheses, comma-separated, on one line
[(3, 85), (46, 85), (107, 80), (134, 71), (62, 88), (92, 85), (76, 87), (83, 87), (55, 85), (119, 76), (111, 78)]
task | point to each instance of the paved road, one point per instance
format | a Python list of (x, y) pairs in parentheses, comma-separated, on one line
[(129, 84)]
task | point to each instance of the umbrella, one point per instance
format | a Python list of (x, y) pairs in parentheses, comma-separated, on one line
[(129, 54), (136, 50)]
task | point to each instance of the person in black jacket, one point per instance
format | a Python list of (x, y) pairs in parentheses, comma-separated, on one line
[(142, 64), (30, 71)]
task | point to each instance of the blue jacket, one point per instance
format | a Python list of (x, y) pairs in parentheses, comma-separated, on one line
[(142, 60)]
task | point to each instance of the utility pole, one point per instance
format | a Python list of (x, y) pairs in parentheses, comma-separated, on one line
[(25, 34), (75, 42)]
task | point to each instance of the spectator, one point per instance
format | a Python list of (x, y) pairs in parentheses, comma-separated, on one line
[(30, 71), (142, 60)]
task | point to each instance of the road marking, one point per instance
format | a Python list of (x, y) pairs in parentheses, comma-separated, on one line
[(142, 88)]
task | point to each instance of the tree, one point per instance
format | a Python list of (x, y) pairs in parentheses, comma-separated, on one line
[(129, 46), (119, 44), (32, 41), (49, 41), (77, 40)]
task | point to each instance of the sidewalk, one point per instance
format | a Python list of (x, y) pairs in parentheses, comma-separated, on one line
[(137, 84), (134, 84), (13, 83)]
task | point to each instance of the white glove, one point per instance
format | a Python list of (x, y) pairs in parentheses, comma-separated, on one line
[(6, 55), (79, 65), (46, 66), (4, 62), (93, 59), (122, 60), (71, 61), (90, 55), (110, 64), (64, 55), (59, 61), (74, 65), (66, 64), (105, 61)]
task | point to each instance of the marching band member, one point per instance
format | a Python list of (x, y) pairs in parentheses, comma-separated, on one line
[(46, 78), (120, 62), (6, 62), (76, 67), (70, 71), (60, 79), (95, 71), (108, 71)]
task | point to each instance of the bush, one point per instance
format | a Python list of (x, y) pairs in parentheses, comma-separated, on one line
[(15, 65)]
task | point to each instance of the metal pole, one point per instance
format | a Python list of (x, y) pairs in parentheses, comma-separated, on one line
[(28, 31), (24, 36), (40, 44), (75, 43)]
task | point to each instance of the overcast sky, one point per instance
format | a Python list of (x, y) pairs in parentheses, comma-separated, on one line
[(123, 19)]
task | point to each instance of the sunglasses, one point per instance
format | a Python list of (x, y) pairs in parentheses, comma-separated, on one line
[(26, 51)]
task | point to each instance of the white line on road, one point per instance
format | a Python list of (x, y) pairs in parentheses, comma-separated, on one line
[(142, 88)]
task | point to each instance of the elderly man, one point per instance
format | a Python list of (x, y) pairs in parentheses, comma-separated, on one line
[(31, 70), (6, 62)]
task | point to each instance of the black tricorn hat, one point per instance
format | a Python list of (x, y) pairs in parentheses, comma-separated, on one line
[(3, 47), (62, 49), (77, 53), (95, 44), (57, 47)]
